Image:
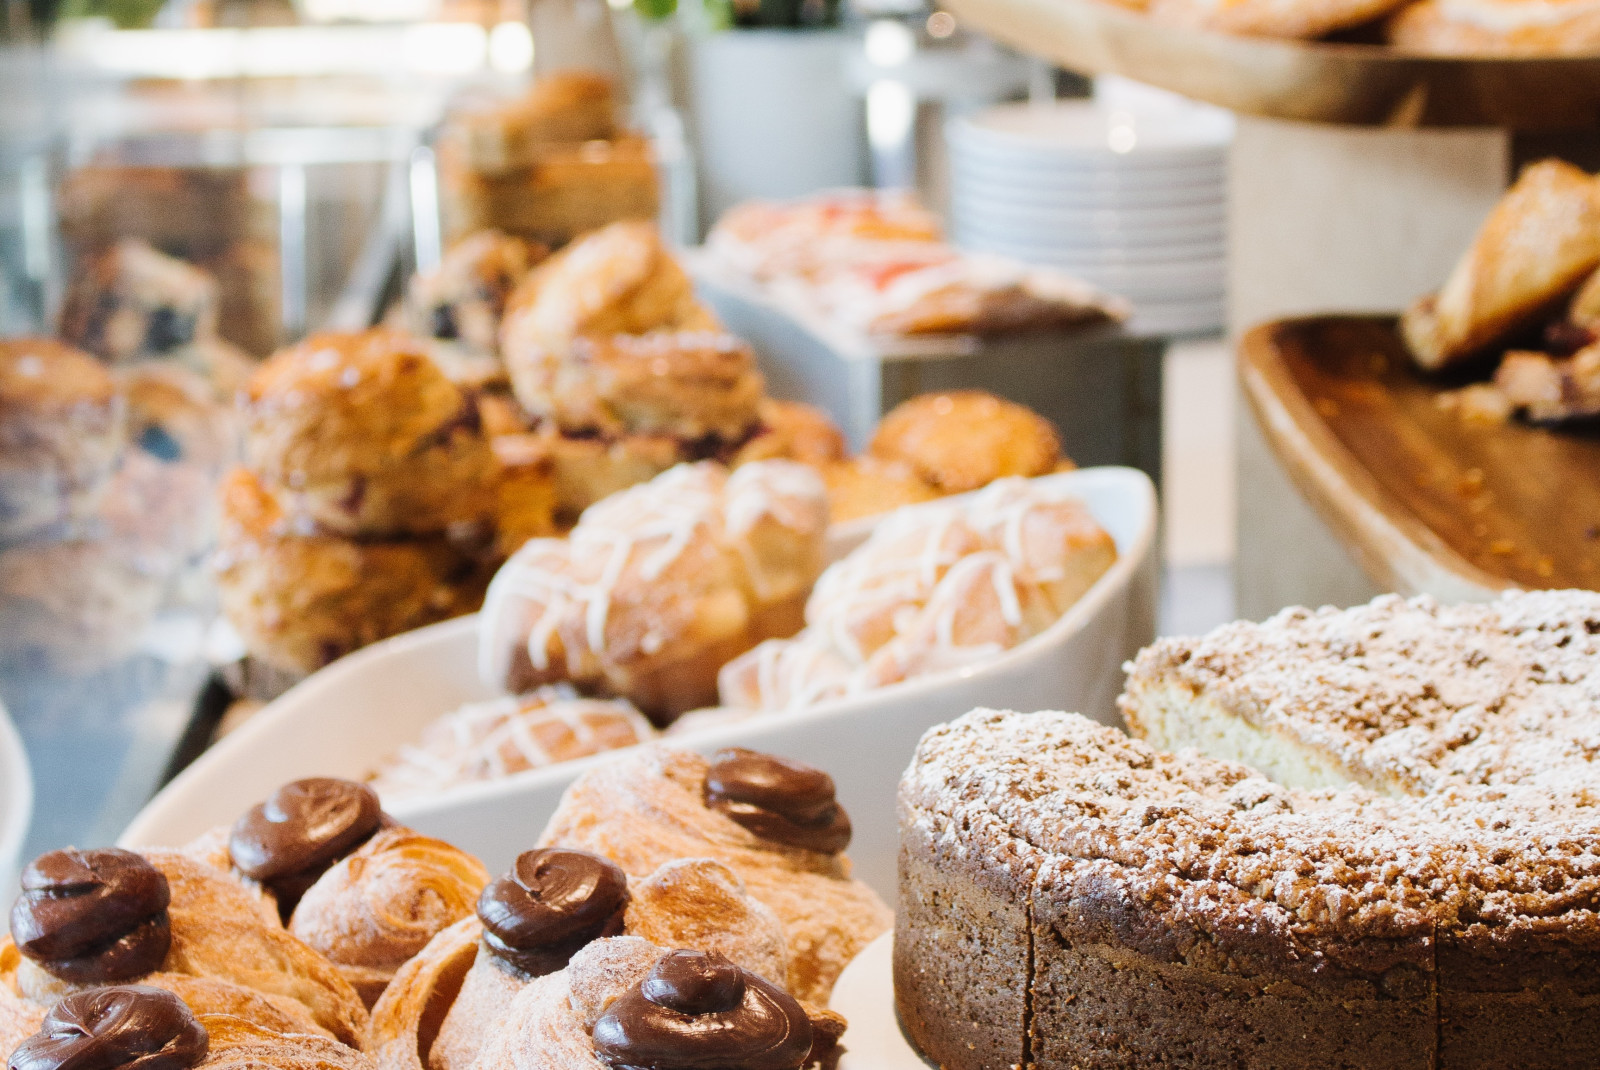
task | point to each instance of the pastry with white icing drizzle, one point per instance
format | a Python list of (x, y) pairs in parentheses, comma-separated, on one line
[(659, 586)]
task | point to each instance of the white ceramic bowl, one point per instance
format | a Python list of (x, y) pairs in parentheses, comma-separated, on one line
[(345, 719), (16, 802)]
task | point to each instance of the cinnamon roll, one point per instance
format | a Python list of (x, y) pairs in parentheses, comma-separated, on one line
[(773, 822), (88, 919), (659, 586), (532, 921)]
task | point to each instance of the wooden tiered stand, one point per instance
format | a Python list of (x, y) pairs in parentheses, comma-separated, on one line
[(1358, 176)]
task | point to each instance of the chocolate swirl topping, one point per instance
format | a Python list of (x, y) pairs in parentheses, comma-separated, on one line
[(698, 1011), (302, 829), (552, 904), (777, 799), (93, 917), (130, 1027)]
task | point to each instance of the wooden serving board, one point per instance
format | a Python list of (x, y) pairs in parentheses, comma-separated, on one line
[(1427, 501), (1312, 81)]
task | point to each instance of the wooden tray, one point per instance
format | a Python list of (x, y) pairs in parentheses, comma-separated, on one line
[(1426, 501), (1369, 85)]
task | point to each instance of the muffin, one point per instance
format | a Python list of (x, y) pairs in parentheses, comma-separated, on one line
[(131, 302), (302, 599), (61, 433), (459, 306), (365, 436)]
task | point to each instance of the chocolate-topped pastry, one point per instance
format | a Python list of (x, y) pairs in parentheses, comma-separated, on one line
[(778, 799), (93, 917), (698, 1011), (301, 830), (128, 1027), (552, 903)]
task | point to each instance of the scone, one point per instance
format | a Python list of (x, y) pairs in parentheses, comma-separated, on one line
[(531, 922), (659, 585), (965, 439), (134, 303), (87, 919), (61, 433), (935, 588), (868, 486), (459, 306), (525, 491), (774, 822), (792, 431), (303, 600), (694, 386), (564, 108), (77, 605), (508, 735), (1497, 28), (619, 280), (363, 435), (1538, 245)]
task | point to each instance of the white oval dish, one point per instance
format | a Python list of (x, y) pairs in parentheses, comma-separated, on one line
[(864, 994), (348, 717), (16, 800)]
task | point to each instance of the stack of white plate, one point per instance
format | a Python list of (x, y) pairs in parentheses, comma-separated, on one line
[(1126, 193)]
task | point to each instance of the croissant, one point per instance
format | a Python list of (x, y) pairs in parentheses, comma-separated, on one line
[(381, 905), (189, 920), (19, 1019), (1538, 245), (658, 805), (600, 1012), (238, 1044), (443, 1003)]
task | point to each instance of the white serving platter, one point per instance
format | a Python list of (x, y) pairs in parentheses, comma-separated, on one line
[(864, 994), (16, 801), (346, 718)]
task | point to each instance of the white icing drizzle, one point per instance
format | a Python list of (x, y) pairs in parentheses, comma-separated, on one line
[(638, 536), (895, 606)]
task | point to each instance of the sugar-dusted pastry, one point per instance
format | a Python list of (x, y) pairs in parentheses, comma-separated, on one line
[(507, 735), (868, 485), (459, 305), (961, 440), (1551, 390), (61, 433), (134, 303), (1497, 27), (381, 904), (1298, 19), (1538, 245), (690, 385), (619, 280), (660, 585), (303, 599), (100, 917), (140, 1027), (774, 822), (363, 435), (936, 587), (628, 1003), (792, 431), (534, 919)]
